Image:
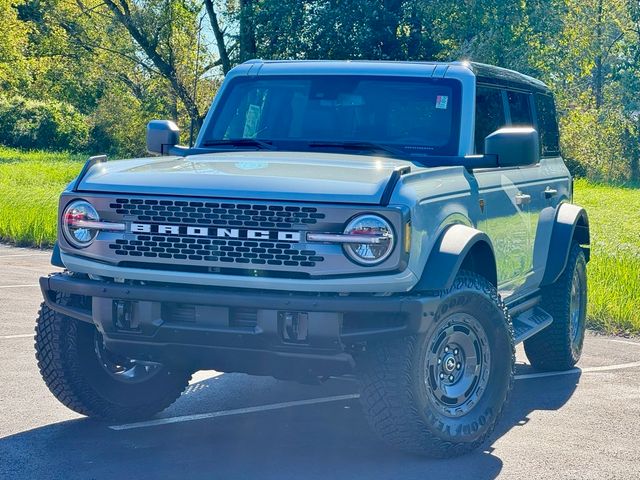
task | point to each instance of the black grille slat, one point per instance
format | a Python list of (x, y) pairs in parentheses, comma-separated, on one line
[(211, 252), (210, 213)]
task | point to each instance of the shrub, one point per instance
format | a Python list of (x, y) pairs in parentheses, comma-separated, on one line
[(35, 124), (596, 144)]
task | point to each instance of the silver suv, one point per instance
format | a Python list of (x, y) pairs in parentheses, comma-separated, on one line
[(406, 222)]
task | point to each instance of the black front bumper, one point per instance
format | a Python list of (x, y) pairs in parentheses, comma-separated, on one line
[(234, 330)]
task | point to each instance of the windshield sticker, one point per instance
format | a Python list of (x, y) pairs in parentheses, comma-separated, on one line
[(251, 122), (441, 102)]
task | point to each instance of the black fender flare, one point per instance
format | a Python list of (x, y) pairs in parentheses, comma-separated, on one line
[(450, 252), (572, 222)]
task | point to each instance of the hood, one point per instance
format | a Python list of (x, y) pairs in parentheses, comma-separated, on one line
[(285, 176)]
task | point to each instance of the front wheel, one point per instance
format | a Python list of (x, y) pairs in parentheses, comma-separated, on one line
[(441, 393), (90, 380)]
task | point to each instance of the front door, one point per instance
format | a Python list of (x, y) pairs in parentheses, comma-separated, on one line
[(508, 196)]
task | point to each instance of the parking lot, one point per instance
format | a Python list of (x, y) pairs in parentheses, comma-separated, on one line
[(579, 424)]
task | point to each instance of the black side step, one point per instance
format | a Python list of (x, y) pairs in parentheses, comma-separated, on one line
[(526, 324)]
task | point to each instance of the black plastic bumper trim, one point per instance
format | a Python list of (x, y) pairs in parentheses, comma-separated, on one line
[(207, 296)]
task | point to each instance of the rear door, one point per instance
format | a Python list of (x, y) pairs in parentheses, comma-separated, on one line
[(553, 185)]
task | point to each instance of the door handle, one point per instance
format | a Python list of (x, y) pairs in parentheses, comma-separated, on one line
[(550, 192), (523, 199)]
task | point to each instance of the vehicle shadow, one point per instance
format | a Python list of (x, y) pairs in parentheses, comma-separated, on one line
[(322, 440)]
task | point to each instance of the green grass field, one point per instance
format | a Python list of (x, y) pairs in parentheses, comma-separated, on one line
[(614, 270), (30, 183)]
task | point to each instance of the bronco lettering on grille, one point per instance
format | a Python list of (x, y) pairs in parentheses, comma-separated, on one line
[(220, 232)]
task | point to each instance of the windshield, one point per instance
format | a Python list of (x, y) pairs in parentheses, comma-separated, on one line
[(411, 115)]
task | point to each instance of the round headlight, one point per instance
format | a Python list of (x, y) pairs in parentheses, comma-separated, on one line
[(377, 239), (76, 223)]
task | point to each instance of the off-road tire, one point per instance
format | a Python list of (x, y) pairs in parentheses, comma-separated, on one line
[(69, 366), (554, 348), (394, 390)]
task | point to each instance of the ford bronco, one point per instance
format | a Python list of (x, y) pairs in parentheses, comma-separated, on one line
[(406, 223)]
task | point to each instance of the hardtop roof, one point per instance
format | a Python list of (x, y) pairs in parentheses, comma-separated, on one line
[(485, 74)]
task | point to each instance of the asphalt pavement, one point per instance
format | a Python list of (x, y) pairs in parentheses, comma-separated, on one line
[(582, 424)]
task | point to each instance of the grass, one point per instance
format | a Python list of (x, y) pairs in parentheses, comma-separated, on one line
[(614, 269), (30, 183)]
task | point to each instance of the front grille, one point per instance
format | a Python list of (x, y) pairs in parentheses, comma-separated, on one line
[(241, 237), (215, 250), (223, 214)]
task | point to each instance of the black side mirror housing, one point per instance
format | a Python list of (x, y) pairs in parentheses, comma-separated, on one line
[(161, 136), (514, 146)]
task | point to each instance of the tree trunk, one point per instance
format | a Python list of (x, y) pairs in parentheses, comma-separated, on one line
[(166, 68), (223, 52), (598, 71)]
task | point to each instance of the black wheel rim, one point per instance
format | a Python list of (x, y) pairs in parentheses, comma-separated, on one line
[(457, 365), (121, 368)]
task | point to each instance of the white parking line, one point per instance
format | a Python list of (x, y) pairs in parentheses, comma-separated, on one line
[(297, 403), (526, 376), (239, 411), (604, 368), (24, 335), (628, 342), (20, 286)]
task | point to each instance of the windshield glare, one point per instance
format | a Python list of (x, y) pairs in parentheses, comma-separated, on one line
[(417, 115)]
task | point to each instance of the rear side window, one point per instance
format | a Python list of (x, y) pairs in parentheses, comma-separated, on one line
[(489, 114), (547, 125), (520, 109)]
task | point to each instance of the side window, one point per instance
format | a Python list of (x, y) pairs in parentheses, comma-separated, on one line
[(489, 114), (547, 125), (520, 109)]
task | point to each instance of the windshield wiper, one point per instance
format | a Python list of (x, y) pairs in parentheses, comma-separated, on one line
[(240, 142), (361, 146)]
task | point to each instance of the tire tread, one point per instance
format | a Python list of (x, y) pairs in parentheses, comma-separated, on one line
[(58, 361), (388, 398)]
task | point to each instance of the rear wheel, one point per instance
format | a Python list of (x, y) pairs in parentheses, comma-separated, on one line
[(90, 380), (559, 346), (441, 393)]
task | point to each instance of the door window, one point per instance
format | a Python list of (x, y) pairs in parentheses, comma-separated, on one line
[(489, 114), (520, 109), (547, 125)]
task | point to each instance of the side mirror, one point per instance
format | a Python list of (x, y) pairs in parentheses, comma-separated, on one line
[(161, 136), (514, 146)]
